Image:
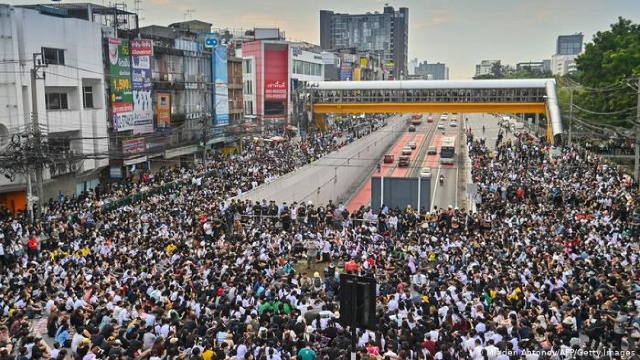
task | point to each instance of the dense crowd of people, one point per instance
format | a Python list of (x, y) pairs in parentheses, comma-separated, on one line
[(546, 269)]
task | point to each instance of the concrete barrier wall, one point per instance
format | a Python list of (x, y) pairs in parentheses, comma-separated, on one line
[(333, 175)]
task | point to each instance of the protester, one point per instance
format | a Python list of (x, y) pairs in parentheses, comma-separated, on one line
[(551, 254)]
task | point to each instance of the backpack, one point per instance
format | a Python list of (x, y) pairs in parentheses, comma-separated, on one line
[(32, 244), (317, 282)]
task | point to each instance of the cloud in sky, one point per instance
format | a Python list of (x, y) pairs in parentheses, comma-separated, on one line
[(459, 33)]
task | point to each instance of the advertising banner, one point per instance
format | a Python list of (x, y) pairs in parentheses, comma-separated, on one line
[(276, 75), (141, 47), (133, 146), (346, 72), (120, 81), (221, 98), (141, 51), (163, 110)]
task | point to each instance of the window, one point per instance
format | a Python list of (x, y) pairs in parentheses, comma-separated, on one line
[(248, 87), (57, 101), (247, 66), (53, 56), (248, 110), (87, 97)]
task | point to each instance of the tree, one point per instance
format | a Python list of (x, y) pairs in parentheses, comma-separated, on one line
[(606, 64)]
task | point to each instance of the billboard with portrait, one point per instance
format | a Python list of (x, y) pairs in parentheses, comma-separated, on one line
[(121, 90), (221, 90), (141, 52)]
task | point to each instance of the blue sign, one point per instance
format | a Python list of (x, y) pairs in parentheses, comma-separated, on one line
[(211, 40)]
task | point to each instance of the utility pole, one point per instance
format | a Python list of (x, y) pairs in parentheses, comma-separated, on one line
[(207, 124), (636, 171), (38, 63), (570, 140)]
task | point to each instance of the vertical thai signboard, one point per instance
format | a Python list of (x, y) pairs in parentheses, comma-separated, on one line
[(221, 76), (276, 75), (120, 82), (163, 110), (141, 52)]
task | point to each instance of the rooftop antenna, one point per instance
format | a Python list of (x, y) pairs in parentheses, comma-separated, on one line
[(137, 8), (188, 12)]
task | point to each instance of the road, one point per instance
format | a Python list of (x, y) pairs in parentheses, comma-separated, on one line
[(421, 137), (453, 192)]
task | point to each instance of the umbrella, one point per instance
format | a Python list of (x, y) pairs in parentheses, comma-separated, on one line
[(291, 128)]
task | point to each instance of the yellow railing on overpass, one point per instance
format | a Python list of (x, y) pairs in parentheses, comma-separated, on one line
[(417, 96)]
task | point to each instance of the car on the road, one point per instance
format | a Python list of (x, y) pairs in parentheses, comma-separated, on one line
[(432, 150), (412, 128), (403, 161), (406, 150), (412, 145), (425, 173), (441, 126), (430, 119), (453, 123), (389, 159), (416, 121)]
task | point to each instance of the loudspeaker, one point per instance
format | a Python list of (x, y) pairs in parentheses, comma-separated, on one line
[(358, 301)]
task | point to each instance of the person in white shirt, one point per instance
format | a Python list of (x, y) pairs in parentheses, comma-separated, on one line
[(492, 350)]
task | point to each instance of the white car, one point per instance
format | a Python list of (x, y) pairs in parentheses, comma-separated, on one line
[(441, 126), (406, 150), (425, 173), (453, 124)]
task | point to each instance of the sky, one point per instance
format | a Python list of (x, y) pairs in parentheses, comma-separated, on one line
[(458, 33)]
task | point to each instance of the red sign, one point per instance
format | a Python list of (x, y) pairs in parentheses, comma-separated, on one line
[(276, 75), (133, 146), (141, 47), (275, 90), (122, 108)]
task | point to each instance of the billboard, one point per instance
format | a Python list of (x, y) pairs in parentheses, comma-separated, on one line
[(346, 71), (141, 52), (210, 40), (121, 93), (133, 146), (276, 75), (163, 110), (221, 91)]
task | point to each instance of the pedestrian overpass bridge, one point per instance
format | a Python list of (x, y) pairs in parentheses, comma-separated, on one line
[(437, 96)]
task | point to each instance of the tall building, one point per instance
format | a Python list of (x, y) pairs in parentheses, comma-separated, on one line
[(413, 64), (569, 44), (437, 71), (568, 47), (486, 67), (385, 33)]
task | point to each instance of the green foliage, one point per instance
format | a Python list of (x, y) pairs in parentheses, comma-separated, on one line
[(607, 64)]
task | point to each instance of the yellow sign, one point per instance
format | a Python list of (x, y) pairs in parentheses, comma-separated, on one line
[(364, 62)]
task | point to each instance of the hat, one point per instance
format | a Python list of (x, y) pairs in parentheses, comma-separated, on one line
[(173, 340), (87, 341), (336, 315), (316, 274), (117, 342)]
